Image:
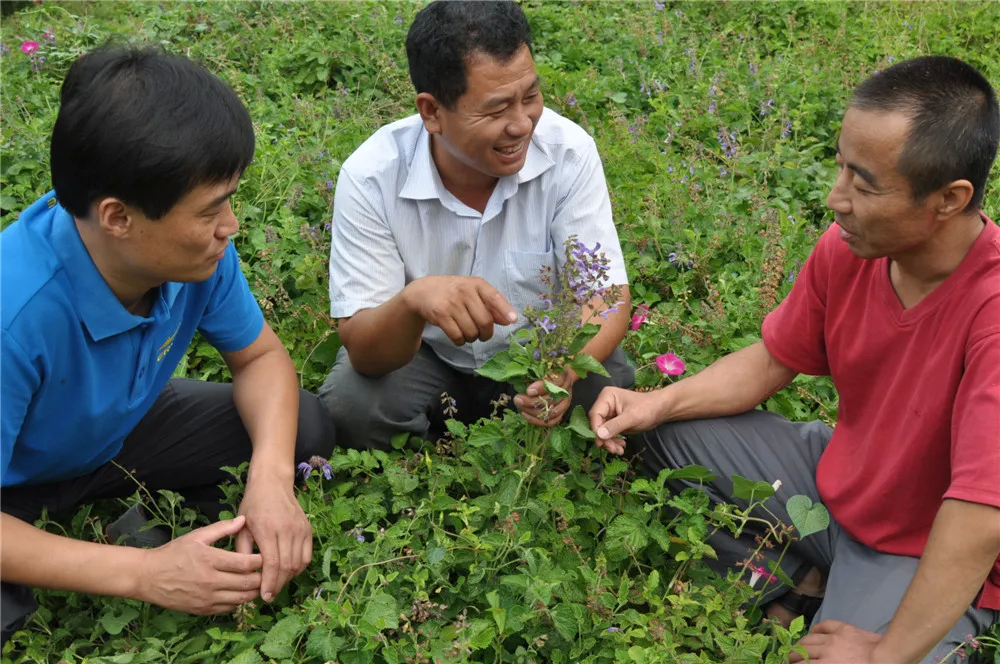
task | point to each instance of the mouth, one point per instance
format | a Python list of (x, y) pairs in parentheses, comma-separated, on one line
[(845, 234), (511, 151)]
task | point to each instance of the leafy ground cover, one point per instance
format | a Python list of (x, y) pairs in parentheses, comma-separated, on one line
[(716, 124)]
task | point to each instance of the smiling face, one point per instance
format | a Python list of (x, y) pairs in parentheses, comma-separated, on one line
[(486, 135), (871, 199), (187, 243)]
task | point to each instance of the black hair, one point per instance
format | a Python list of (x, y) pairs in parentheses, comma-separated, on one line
[(446, 33), (954, 121), (146, 127)]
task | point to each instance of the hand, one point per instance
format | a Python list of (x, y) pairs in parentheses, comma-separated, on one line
[(537, 406), (276, 522), (465, 308), (188, 574), (619, 411), (834, 642)]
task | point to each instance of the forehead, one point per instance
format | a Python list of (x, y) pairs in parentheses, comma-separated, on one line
[(486, 76), (873, 139)]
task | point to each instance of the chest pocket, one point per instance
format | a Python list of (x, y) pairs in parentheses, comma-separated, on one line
[(523, 276)]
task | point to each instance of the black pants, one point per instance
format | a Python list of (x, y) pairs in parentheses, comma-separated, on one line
[(191, 432)]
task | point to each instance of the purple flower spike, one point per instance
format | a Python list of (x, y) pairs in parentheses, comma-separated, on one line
[(305, 469)]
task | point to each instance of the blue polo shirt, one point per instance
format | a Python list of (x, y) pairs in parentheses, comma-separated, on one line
[(77, 370)]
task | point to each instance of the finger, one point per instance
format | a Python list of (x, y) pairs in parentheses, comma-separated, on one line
[(288, 551), (604, 408), (244, 541), (452, 331), (828, 627), (482, 318), (224, 581), (212, 533), (536, 389), (470, 331), (272, 560), (307, 550), (503, 313), (240, 563), (229, 601), (615, 426)]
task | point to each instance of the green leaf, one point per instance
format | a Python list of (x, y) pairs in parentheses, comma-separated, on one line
[(807, 517), (559, 439), (584, 364), (692, 473), (564, 619), (115, 622), (485, 434), (322, 644), (501, 368), (583, 337), (381, 612), (554, 390), (456, 428), (619, 97), (627, 530), (435, 555), (580, 425), (280, 639), (250, 656), (776, 570), (749, 491), (482, 633)]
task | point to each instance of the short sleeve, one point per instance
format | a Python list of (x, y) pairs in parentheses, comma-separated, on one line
[(232, 319), (975, 435), (18, 383), (584, 210), (794, 333), (366, 268)]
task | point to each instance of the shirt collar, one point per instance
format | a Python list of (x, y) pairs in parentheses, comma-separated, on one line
[(423, 181), (100, 310)]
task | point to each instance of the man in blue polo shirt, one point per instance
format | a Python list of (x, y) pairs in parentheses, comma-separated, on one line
[(104, 283)]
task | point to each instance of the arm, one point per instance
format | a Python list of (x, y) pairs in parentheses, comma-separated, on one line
[(962, 548), (266, 394), (384, 338)]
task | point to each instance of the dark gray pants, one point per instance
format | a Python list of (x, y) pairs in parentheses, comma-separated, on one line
[(191, 432), (864, 587), (367, 412)]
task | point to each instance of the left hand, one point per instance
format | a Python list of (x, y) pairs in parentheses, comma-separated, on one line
[(537, 406), (835, 642), (279, 527)]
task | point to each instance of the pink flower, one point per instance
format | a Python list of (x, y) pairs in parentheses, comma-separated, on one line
[(639, 317), (670, 364), (761, 573), (29, 47)]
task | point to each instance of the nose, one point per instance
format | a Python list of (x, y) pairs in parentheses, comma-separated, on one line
[(229, 225), (838, 200), (521, 123)]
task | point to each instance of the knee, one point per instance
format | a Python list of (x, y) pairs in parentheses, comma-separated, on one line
[(317, 434), (670, 445)]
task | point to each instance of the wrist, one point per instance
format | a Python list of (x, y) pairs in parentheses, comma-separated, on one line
[(885, 653), (271, 472), (138, 574)]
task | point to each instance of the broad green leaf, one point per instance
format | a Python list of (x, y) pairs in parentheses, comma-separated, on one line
[(322, 644), (625, 529), (580, 425), (692, 473), (481, 634), (381, 612), (456, 428), (485, 434), (559, 439), (749, 491), (564, 619), (584, 364), (115, 622), (501, 368), (250, 656), (435, 555), (583, 337), (554, 390), (807, 517), (281, 638), (776, 570)]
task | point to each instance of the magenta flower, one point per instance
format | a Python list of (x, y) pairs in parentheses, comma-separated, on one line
[(761, 573), (639, 317), (29, 47), (670, 364)]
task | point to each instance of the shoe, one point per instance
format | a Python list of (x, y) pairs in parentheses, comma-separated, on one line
[(131, 529)]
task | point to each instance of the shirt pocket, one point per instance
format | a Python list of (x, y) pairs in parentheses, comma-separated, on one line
[(523, 276)]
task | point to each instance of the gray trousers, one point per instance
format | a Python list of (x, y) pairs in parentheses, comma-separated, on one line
[(368, 412), (864, 587)]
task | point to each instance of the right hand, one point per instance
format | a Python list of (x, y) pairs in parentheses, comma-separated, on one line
[(188, 574), (618, 412), (465, 308)]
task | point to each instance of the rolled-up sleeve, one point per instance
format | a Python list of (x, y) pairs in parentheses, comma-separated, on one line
[(366, 268), (584, 209)]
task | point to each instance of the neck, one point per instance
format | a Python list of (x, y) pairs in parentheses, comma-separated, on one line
[(932, 262), (465, 183), (131, 291)]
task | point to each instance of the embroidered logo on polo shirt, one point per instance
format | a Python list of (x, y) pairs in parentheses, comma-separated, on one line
[(52, 202), (168, 344)]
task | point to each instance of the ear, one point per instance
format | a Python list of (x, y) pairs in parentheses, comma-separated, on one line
[(430, 112), (953, 198), (113, 217)]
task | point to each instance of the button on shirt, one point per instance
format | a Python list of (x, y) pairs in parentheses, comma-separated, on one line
[(78, 370), (394, 222)]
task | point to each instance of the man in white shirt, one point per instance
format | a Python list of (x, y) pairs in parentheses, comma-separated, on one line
[(442, 223)]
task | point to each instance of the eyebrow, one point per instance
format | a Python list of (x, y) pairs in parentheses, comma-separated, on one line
[(219, 200), (503, 99), (865, 174)]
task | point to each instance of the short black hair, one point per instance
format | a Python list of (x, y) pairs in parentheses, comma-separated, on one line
[(446, 33), (954, 121), (145, 126)]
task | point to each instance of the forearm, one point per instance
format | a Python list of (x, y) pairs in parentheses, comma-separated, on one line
[(384, 338), (36, 558), (266, 394), (962, 548), (613, 327), (733, 384)]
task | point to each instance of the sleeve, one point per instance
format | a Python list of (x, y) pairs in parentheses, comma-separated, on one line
[(584, 210), (232, 319), (366, 268), (975, 434), (18, 383), (795, 332)]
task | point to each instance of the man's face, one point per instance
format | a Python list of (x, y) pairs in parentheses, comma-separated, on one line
[(187, 243), (871, 200), (491, 125)]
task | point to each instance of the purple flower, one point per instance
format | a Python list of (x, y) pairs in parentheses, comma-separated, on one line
[(571, 100), (317, 463), (753, 69), (787, 130), (270, 235), (614, 629), (766, 107), (305, 469), (659, 5), (672, 257), (328, 226), (547, 324), (4, 50), (398, 19), (329, 184)]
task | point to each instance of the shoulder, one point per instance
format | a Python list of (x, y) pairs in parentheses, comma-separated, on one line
[(387, 153), (560, 137), (28, 277)]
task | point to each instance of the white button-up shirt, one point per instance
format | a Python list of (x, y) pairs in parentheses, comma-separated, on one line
[(394, 222)]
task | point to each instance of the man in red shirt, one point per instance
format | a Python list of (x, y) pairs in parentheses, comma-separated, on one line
[(900, 304)]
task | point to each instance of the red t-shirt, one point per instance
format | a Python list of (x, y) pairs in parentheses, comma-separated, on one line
[(919, 415)]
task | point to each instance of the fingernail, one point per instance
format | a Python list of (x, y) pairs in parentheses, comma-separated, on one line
[(602, 433), (512, 316), (532, 392), (267, 597)]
